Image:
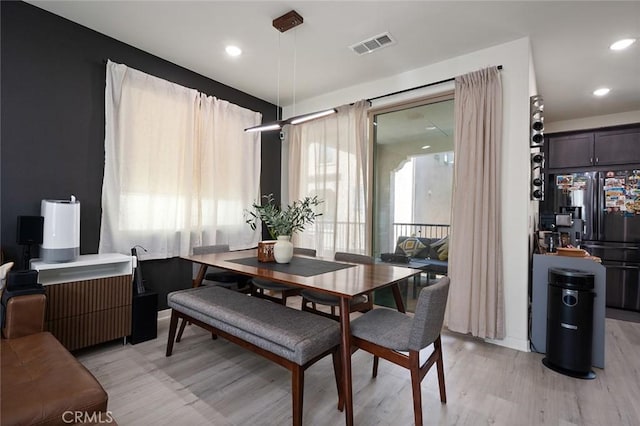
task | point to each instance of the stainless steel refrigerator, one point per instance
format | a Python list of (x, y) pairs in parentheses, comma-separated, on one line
[(609, 204)]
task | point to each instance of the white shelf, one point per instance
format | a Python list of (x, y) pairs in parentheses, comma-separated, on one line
[(86, 267)]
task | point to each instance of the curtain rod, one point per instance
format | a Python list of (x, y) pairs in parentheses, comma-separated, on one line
[(417, 87)]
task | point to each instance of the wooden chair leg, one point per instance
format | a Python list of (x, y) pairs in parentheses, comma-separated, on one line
[(437, 344), (337, 372), (414, 367), (376, 358), (297, 392), (183, 324), (172, 332)]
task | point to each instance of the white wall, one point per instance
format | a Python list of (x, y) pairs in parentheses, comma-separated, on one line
[(629, 117), (515, 58), (534, 206)]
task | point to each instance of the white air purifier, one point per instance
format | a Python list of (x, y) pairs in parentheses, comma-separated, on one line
[(61, 234)]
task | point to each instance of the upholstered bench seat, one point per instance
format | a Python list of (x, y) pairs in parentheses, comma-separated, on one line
[(295, 335), (41, 381), (291, 338)]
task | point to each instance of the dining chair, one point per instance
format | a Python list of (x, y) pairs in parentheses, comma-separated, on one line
[(360, 303), (218, 277), (259, 286), (221, 277), (387, 333)]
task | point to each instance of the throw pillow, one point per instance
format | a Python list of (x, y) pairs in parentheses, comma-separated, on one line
[(423, 253), (3, 274), (410, 246), (443, 251), (442, 248)]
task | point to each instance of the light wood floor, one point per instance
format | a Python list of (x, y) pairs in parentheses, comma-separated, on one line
[(213, 382)]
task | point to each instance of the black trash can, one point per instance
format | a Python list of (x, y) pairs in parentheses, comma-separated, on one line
[(570, 322)]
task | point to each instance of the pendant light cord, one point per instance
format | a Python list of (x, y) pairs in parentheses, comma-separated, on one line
[(278, 115), (295, 63)]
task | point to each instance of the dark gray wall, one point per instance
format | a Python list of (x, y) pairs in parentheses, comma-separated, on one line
[(52, 121)]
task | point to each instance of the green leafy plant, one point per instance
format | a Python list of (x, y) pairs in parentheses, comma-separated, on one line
[(279, 221)]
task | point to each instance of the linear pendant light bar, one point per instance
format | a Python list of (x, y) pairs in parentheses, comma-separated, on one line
[(277, 125), (312, 116)]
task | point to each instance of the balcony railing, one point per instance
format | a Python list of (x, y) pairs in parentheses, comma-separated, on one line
[(422, 230), (345, 236)]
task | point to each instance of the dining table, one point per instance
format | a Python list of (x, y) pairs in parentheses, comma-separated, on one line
[(342, 279)]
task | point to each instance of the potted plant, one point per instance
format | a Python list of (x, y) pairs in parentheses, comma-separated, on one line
[(282, 223)]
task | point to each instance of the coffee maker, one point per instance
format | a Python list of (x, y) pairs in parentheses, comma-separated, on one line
[(570, 225)]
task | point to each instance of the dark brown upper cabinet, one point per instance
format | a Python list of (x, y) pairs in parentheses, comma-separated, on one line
[(617, 147), (570, 151), (594, 149)]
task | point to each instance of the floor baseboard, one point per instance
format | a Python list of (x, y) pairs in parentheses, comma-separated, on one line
[(622, 315)]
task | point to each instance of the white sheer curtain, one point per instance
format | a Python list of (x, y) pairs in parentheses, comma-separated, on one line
[(329, 157), (476, 299), (229, 173), (179, 170)]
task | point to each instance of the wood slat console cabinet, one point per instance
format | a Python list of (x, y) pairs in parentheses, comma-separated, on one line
[(88, 300)]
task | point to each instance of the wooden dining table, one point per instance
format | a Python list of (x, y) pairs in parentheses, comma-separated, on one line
[(341, 279)]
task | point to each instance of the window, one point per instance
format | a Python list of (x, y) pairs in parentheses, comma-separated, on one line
[(179, 168)]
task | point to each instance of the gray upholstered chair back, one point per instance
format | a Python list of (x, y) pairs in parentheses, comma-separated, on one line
[(353, 258), (304, 251), (220, 248), (429, 314)]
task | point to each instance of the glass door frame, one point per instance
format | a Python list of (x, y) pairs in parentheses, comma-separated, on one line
[(383, 109)]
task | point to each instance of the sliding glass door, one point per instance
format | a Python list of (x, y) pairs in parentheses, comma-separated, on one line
[(413, 171)]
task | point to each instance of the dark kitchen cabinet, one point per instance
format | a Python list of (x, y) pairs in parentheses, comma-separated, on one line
[(570, 151), (596, 148), (617, 147)]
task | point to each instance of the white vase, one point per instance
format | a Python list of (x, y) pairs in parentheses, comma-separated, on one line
[(283, 249)]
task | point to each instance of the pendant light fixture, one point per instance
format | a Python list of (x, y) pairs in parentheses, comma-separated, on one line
[(284, 23)]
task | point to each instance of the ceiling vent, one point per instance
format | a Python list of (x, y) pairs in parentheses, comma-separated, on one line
[(372, 44)]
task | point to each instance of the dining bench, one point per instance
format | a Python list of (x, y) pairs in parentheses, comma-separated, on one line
[(291, 338)]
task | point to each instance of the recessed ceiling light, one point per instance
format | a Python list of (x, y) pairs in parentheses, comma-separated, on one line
[(233, 50), (426, 147), (602, 91), (622, 44)]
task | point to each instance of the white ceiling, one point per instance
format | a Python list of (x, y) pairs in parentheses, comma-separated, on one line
[(569, 40)]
